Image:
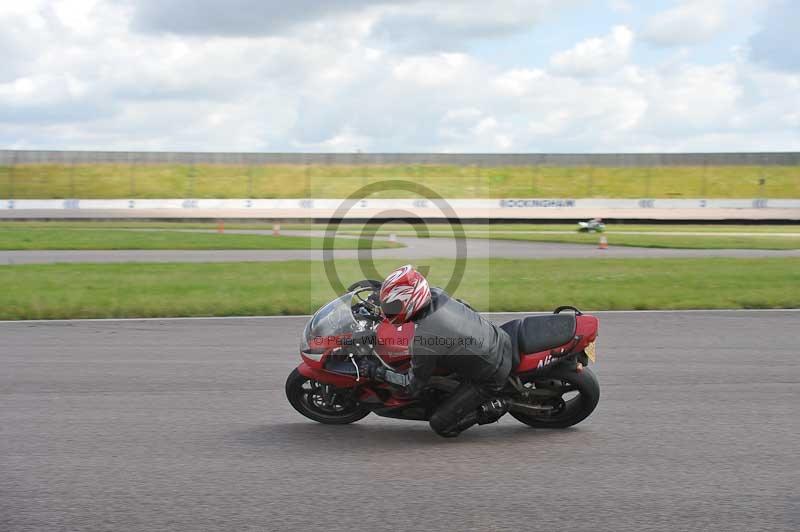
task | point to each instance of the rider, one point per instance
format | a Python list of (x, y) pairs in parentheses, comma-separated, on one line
[(448, 335)]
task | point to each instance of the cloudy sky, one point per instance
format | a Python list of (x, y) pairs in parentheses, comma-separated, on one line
[(401, 75)]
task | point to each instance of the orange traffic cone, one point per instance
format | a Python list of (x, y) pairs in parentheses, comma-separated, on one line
[(220, 226), (603, 243)]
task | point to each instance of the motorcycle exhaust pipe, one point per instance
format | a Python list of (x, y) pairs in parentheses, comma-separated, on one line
[(525, 408)]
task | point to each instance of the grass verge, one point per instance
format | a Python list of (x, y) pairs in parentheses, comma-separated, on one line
[(655, 241), (81, 239), (652, 236), (341, 180), (561, 227), (32, 235), (298, 287), (385, 229)]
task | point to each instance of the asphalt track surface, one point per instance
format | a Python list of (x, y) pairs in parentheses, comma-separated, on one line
[(183, 425), (416, 248)]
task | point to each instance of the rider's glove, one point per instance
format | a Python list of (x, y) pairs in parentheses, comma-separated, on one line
[(370, 369), (391, 377), (364, 338), (367, 368), (413, 386)]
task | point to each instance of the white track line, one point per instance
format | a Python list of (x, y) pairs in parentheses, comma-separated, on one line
[(186, 318)]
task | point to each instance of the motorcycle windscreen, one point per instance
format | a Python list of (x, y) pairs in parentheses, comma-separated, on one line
[(328, 324)]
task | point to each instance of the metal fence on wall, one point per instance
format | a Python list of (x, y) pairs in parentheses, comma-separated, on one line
[(11, 157)]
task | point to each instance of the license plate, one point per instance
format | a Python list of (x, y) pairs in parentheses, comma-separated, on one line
[(590, 352)]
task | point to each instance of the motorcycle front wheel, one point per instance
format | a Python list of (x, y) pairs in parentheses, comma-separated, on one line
[(330, 406), (572, 397)]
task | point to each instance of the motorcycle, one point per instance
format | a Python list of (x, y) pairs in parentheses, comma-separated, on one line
[(550, 385), (595, 225)]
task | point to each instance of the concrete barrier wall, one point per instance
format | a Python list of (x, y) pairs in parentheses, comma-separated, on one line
[(410, 205), (425, 209), (521, 208), (11, 157)]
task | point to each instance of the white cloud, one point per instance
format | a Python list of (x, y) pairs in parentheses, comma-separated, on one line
[(75, 14), (83, 79), (776, 43), (621, 6), (470, 129), (690, 22), (518, 81), (432, 71), (450, 24), (597, 55), (238, 18), (692, 98), (346, 140), (407, 24)]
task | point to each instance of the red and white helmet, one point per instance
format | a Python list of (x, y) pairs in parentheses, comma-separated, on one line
[(404, 293)]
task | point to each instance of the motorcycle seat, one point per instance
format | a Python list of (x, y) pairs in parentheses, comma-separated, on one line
[(539, 333)]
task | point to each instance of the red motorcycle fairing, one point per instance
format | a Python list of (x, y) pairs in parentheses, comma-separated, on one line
[(366, 394), (394, 341), (586, 328), (326, 377), (393, 347), (585, 332)]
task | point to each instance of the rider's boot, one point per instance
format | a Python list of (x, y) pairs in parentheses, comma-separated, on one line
[(491, 411), (459, 411)]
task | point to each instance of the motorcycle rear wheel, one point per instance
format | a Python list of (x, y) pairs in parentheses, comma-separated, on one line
[(303, 395), (572, 410)]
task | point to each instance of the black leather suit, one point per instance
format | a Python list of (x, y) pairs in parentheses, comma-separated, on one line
[(450, 335)]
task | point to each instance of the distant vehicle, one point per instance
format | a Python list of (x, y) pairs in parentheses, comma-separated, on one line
[(550, 387), (595, 225)]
